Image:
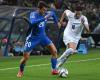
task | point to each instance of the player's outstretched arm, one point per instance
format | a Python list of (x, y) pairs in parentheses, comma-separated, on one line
[(86, 25), (62, 18), (55, 17), (87, 28)]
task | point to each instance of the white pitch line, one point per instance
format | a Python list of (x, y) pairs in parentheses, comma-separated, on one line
[(85, 60), (26, 66)]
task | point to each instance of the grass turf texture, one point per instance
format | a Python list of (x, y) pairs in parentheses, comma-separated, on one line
[(85, 69)]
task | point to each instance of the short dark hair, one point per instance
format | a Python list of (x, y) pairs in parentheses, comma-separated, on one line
[(42, 4), (78, 8)]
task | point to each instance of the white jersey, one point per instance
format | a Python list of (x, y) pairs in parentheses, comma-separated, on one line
[(74, 26), (73, 30)]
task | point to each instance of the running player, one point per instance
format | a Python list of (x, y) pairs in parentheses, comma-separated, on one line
[(37, 36), (72, 33)]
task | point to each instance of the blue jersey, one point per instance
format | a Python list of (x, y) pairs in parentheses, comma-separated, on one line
[(39, 23), (37, 35)]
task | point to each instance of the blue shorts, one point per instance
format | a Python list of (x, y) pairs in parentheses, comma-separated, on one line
[(32, 42)]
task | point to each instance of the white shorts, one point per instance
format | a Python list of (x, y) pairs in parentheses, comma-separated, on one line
[(69, 38)]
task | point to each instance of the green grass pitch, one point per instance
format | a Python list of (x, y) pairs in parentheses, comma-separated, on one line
[(80, 67)]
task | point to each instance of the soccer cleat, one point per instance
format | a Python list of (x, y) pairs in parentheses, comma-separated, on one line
[(55, 72), (20, 74)]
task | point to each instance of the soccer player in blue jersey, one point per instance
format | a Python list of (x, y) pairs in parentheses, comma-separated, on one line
[(37, 36)]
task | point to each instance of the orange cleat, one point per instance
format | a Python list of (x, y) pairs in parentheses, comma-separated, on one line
[(20, 74)]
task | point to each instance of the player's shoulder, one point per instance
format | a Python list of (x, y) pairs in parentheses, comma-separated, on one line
[(50, 12), (83, 16), (68, 12), (33, 14)]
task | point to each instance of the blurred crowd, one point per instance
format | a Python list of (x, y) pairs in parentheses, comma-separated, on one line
[(91, 7)]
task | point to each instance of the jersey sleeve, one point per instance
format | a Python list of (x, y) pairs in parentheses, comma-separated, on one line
[(85, 21), (54, 16), (34, 19)]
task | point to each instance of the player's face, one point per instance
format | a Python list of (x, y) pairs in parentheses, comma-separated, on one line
[(78, 14), (43, 10)]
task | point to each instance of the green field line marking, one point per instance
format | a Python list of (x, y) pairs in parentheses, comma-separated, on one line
[(85, 60)]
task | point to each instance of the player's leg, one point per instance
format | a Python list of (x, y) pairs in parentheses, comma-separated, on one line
[(22, 64), (68, 52), (29, 45), (47, 42), (53, 52)]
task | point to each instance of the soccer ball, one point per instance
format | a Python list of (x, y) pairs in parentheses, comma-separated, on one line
[(63, 72)]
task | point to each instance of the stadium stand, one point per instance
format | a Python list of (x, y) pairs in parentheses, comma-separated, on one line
[(23, 8)]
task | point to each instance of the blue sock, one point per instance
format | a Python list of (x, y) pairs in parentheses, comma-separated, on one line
[(22, 67), (53, 63)]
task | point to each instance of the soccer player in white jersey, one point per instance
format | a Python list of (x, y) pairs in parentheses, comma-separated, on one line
[(72, 33)]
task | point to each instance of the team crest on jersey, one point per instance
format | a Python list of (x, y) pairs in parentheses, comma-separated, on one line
[(32, 15)]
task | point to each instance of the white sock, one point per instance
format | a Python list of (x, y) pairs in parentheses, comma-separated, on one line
[(66, 53), (61, 60)]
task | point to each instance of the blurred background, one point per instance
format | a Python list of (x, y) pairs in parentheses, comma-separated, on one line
[(14, 15)]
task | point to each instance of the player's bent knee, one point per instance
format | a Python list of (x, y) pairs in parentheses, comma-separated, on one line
[(53, 50), (27, 57), (54, 53)]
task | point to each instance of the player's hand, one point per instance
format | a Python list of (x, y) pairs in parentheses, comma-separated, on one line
[(59, 25), (88, 32), (47, 16)]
